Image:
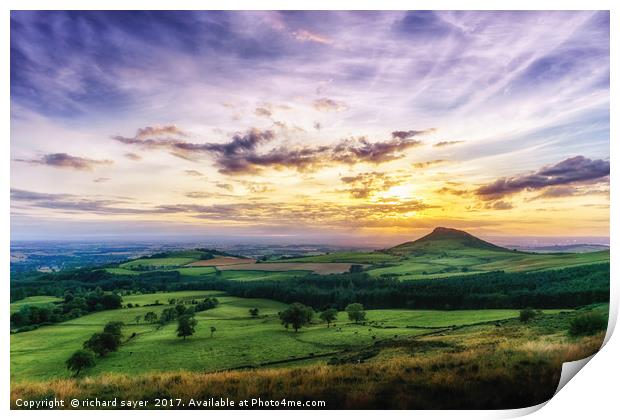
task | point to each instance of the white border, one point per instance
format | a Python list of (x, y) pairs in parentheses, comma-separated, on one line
[(592, 394)]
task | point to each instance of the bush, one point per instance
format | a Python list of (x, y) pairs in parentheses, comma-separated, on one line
[(588, 324), (526, 314)]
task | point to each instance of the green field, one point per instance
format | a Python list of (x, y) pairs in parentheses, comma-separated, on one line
[(157, 262), (239, 340), (33, 301), (346, 257), (443, 253), (470, 261), (251, 275)]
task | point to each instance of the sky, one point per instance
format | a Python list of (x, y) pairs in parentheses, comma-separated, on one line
[(348, 127)]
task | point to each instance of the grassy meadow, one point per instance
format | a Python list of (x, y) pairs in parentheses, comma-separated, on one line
[(501, 364), (239, 340)]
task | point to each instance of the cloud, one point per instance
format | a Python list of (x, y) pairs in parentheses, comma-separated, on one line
[(367, 184), (68, 203), (447, 143), (304, 35), (158, 131), (421, 165), (99, 180), (64, 160), (453, 191), (193, 172), (329, 105), (402, 135), (224, 186), (262, 112), (499, 205), (241, 155), (568, 191), (257, 187), (253, 213), (575, 170), (360, 149), (133, 156)]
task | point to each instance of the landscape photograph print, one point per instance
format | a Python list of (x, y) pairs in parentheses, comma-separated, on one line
[(308, 210)]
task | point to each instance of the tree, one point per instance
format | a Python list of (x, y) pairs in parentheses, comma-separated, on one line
[(114, 327), (356, 312), (81, 359), (167, 315), (525, 315), (150, 317), (254, 312), (181, 309), (296, 315), (186, 326), (356, 268), (138, 318), (328, 316), (212, 331), (103, 343)]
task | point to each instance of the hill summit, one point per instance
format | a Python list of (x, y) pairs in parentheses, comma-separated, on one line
[(445, 239)]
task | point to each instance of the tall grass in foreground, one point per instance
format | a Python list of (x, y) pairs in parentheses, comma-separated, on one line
[(485, 376)]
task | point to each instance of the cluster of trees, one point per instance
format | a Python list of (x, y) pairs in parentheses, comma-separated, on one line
[(184, 315), (99, 344), (72, 306), (298, 315)]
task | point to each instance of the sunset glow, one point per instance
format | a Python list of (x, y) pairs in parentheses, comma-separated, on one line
[(371, 125)]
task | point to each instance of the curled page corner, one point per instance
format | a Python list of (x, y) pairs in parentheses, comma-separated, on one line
[(569, 370)]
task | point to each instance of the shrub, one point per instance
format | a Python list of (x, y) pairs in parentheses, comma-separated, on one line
[(526, 314), (588, 324)]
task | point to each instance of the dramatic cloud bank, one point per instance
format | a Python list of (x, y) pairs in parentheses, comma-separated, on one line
[(573, 170), (241, 155)]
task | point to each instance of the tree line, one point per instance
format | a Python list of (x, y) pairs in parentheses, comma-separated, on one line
[(562, 288), (72, 306)]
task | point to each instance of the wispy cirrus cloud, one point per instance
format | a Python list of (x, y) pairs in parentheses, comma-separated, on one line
[(564, 191), (426, 164), (67, 161), (448, 143), (253, 212), (575, 170), (305, 35)]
